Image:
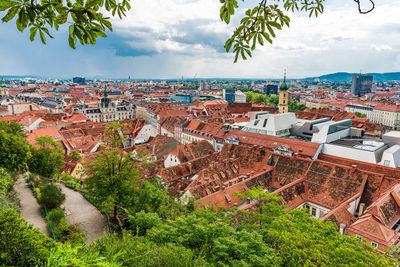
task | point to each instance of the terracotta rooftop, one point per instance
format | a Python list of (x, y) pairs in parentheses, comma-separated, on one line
[(368, 226)]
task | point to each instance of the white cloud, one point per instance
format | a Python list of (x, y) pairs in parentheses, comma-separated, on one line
[(382, 47)]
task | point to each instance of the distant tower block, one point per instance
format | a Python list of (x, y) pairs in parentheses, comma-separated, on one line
[(283, 96)]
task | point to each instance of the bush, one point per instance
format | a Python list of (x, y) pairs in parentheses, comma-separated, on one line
[(56, 215), (51, 196), (21, 245), (6, 182), (141, 222), (70, 181), (62, 231)]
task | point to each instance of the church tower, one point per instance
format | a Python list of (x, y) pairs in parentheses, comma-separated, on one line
[(3, 87), (283, 96)]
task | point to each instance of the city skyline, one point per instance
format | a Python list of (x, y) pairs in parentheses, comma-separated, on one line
[(185, 38)]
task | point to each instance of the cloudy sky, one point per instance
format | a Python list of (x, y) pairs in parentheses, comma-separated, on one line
[(174, 38)]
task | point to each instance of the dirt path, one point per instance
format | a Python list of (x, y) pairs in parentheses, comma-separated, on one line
[(80, 212), (30, 209)]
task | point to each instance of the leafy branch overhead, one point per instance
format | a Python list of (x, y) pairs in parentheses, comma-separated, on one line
[(86, 18), (259, 25)]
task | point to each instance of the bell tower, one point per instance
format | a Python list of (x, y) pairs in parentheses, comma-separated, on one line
[(283, 96)]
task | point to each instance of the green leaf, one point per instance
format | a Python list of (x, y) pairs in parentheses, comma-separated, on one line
[(72, 41), (10, 14), (228, 44), (33, 34), (260, 39), (62, 17), (107, 24), (4, 4), (42, 37)]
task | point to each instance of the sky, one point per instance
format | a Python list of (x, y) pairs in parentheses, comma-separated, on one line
[(162, 39)]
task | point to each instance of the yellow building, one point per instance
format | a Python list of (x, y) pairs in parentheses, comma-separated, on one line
[(283, 97)]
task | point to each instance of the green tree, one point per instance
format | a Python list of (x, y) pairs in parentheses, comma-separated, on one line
[(51, 196), (111, 178), (14, 149), (20, 244), (360, 115), (48, 159), (74, 155)]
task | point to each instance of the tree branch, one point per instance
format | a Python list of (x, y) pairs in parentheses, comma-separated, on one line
[(365, 12)]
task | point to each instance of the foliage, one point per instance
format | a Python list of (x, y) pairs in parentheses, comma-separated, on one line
[(302, 240), (142, 221), (51, 196), (69, 255), (110, 178), (14, 149), (74, 155), (6, 182), (62, 231), (70, 181), (207, 235), (86, 19), (272, 100), (20, 244), (137, 251), (360, 115), (295, 106), (261, 22), (48, 159), (268, 100), (8, 197)]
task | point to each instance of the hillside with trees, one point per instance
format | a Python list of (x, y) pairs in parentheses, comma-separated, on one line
[(149, 228)]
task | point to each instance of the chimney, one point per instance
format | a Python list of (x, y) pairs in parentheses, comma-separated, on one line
[(342, 227), (361, 209), (29, 120)]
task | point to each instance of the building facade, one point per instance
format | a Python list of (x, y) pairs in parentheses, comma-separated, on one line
[(361, 85), (107, 110)]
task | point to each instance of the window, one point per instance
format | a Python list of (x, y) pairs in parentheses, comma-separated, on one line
[(386, 162), (321, 213), (374, 245), (314, 212)]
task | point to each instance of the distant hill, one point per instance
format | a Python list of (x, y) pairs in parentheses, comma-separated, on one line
[(347, 77)]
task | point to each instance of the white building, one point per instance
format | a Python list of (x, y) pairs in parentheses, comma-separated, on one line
[(391, 157), (240, 97), (107, 110), (271, 124)]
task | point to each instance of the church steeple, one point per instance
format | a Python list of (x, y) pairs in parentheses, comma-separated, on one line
[(283, 96), (284, 85), (3, 83), (105, 101)]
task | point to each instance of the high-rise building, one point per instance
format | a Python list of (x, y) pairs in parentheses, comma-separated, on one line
[(229, 95), (283, 96), (203, 85), (79, 80), (271, 89), (362, 84)]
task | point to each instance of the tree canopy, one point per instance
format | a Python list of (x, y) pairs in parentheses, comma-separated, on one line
[(14, 149), (48, 159)]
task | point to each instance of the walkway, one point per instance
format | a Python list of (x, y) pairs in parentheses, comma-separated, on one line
[(30, 209), (79, 211)]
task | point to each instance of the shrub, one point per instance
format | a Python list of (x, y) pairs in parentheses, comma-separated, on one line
[(51, 196), (6, 182), (21, 245), (56, 215)]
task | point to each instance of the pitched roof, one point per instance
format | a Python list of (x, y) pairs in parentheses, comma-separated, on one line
[(368, 226)]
